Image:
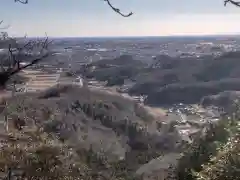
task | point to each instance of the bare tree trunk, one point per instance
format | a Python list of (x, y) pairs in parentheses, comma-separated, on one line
[(14, 88), (9, 176), (6, 122)]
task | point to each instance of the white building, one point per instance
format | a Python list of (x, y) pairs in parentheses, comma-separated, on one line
[(80, 81)]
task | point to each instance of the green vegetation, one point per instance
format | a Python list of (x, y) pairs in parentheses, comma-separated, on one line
[(114, 71), (225, 164), (70, 134), (215, 156), (191, 81), (191, 93), (67, 133), (172, 80)]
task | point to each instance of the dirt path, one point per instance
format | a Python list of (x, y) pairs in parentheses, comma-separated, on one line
[(39, 80), (156, 112)]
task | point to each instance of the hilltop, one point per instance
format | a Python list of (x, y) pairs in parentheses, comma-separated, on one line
[(169, 80), (110, 126)]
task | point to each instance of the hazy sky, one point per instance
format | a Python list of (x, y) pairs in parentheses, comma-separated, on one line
[(94, 18)]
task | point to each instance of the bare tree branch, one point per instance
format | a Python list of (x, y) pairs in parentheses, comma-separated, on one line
[(35, 61), (11, 64), (117, 10), (13, 53), (236, 3), (22, 1), (3, 27)]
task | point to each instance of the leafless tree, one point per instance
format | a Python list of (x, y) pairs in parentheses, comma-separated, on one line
[(11, 60), (14, 52)]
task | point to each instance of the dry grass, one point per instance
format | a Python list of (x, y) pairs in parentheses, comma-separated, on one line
[(100, 128)]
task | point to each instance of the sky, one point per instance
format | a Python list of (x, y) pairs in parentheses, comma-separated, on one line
[(88, 18)]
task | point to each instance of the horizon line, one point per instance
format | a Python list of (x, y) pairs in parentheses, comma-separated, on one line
[(153, 36)]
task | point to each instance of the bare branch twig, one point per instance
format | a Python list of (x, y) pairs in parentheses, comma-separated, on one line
[(35, 61), (36, 49), (108, 2), (117, 10), (22, 1), (236, 3), (3, 27)]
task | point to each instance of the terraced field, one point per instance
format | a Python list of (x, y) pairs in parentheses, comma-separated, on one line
[(39, 80)]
